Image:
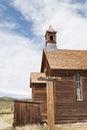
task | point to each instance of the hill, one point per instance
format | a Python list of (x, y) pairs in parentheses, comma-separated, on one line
[(6, 99)]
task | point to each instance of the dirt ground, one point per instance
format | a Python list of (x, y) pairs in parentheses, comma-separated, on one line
[(6, 121), (76, 126), (4, 125), (73, 126)]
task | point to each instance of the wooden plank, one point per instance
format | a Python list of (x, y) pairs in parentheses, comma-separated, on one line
[(50, 106)]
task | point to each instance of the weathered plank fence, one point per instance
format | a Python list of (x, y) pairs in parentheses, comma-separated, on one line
[(27, 112)]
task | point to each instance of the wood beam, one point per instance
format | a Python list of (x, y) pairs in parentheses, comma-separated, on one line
[(50, 106)]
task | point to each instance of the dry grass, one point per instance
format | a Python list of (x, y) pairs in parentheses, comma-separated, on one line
[(6, 115), (8, 118)]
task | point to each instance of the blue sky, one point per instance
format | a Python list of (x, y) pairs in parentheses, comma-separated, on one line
[(10, 14), (23, 24)]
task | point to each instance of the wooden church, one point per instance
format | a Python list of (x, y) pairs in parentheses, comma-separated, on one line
[(59, 91)]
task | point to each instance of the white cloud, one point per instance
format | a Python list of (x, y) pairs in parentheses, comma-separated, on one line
[(5, 25), (74, 34), (18, 57), (62, 15)]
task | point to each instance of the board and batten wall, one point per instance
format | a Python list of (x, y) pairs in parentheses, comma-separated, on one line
[(27, 112)]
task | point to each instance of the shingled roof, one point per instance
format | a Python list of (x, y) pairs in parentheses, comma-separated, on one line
[(67, 59), (34, 76)]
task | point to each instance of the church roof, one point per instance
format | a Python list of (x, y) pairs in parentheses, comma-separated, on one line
[(67, 59)]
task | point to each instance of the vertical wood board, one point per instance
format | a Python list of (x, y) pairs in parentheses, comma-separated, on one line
[(50, 106)]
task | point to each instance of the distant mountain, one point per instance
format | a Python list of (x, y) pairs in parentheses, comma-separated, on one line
[(6, 99)]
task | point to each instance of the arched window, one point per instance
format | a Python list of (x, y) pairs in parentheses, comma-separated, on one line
[(79, 95)]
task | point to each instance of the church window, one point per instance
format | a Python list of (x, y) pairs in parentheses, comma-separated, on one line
[(79, 95)]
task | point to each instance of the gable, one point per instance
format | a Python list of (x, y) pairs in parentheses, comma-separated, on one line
[(45, 68)]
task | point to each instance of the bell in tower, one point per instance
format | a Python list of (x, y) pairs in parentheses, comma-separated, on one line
[(50, 39)]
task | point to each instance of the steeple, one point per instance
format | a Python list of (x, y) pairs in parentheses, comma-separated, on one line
[(50, 39), (51, 29)]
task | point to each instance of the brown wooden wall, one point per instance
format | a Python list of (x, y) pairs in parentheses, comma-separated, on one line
[(27, 112), (67, 108), (39, 94), (84, 83)]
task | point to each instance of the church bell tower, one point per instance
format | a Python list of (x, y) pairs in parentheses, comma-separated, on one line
[(50, 39)]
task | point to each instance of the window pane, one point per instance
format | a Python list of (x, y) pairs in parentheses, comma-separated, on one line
[(78, 88)]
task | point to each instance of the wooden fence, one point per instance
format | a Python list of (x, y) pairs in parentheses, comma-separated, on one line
[(27, 112)]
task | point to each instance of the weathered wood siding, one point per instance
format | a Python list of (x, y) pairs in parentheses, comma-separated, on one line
[(67, 108), (27, 112), (84, 83), (39, 94)]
